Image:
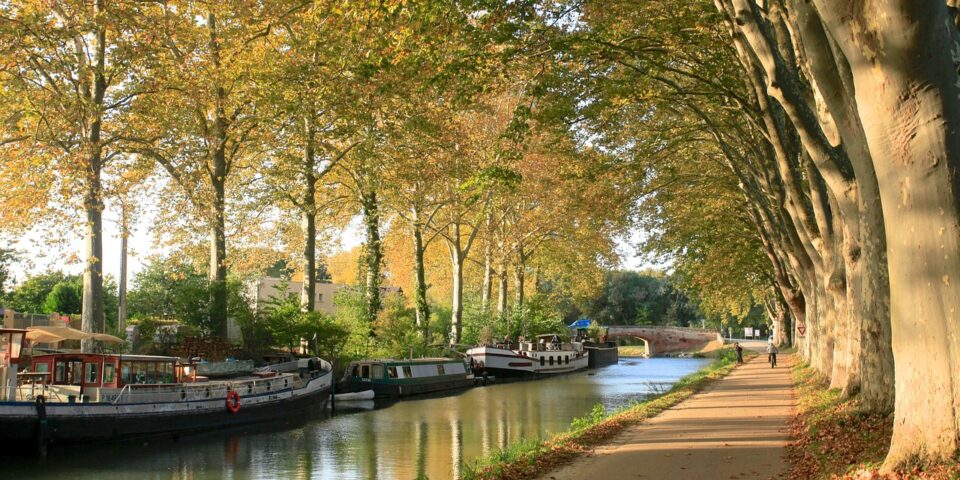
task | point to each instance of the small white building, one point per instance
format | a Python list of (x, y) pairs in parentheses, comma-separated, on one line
[(265, 290)]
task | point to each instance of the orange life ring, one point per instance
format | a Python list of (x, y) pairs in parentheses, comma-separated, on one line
[(233, 401)]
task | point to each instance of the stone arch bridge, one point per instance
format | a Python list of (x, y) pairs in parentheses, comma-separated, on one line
[(661, 340)]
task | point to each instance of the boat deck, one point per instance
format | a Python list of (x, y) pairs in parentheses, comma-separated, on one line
[(164, 392)]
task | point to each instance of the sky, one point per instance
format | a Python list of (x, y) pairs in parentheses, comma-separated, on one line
[(41, 255)]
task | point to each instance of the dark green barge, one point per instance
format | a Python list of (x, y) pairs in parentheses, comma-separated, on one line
[(401, 378)]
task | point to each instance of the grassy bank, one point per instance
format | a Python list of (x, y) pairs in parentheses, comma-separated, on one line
[(632, 351), (835, 440), (528, 458)]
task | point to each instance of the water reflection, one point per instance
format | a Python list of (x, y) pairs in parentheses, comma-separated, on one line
[(428, 438)]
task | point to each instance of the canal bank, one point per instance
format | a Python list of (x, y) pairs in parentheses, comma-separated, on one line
[(738, 427), (599, 433)]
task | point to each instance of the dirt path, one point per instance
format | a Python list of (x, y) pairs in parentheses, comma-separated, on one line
[(736, 429)]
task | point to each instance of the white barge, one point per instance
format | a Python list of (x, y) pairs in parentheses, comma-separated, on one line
[(546, 356)]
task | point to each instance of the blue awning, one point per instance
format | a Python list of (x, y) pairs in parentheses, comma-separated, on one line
[(582, 323)]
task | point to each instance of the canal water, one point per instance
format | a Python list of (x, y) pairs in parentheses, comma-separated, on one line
[(426, 438)]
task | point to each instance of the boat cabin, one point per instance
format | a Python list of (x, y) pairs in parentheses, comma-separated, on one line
[(11, 347), (393, 370), (110, 370)]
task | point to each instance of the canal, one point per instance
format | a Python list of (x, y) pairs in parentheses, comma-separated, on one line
[(427, 438)]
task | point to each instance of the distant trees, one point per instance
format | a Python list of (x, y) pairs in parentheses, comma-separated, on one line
[(170, 291), (55, 292), (64, 298), (641, 298), (31, 295), (8, 257)]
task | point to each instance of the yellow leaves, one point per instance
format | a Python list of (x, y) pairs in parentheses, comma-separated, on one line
[(345, 266)]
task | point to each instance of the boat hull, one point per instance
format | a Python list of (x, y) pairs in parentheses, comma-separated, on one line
[(355, 396), (510, 364), (602, 355), (21, 427), (398, 390)]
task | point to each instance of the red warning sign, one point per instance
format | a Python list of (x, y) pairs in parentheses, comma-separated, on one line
[(801, 329)]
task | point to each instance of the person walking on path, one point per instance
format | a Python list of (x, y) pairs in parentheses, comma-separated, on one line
[(739, 349), (772, 354)]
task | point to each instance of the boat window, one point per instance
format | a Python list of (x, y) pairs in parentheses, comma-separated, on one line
[(407, 372), (551, 359), (566, 359), (69, 372), (365, 371), (355, 371), (542, 360), (151, 369), (42, 367), (125, 375), (140, 372), (59, 375), (377, 371), (108, 371), (162, 372), (392, 372), (91, 373), (440, 370)]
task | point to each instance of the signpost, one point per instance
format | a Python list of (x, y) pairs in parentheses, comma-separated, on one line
[(801, 329)]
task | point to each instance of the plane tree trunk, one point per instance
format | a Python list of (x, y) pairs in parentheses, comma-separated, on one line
[(374, 255), (94, 91), (419, 273), (308, 213), (906, 88)]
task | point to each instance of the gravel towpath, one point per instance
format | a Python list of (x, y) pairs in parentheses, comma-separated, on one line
[(736, 429)]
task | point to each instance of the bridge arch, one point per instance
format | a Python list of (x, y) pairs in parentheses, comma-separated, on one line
[(647, 344), (660, 340)]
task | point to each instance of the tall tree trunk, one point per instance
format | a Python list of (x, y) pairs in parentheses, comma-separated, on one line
[(218, 266), (777, 313), (502, 290), (419, 273), (864, 241), (456, 264), (906, 90), (308, 290), (122, 295), (374, 257), (308, 207), (456, 326), (487, 287), (218, 180), (91, 316), (519, 273)]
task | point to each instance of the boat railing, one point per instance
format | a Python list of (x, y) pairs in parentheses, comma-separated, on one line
[(126, 388), (143, 393)]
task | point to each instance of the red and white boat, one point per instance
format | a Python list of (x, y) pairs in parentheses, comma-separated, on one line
[(547, 356), (70, 398)]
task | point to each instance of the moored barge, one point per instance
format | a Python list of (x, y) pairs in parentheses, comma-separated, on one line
[(547, 356), (69, 398), (401, 378)]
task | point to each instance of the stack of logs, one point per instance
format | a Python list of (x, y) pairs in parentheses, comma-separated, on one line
[(211, 349)]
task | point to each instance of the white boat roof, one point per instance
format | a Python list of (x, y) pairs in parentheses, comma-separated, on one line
[(408, 360), (142, 358)]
